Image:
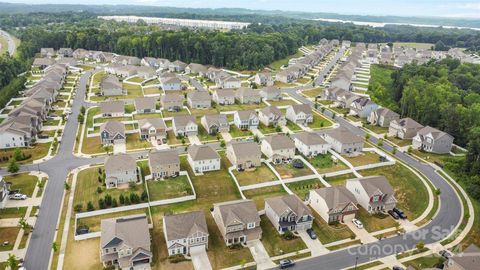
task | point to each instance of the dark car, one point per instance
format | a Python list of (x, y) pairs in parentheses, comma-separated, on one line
[(398, 268), (286, 263), (393, 214), (82, 230), (445, 253), (298, 164), (312, 234), (400, 213)]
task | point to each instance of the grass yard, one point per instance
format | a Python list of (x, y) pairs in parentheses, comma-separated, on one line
[(134, 142), (168, 189), (152, 91), (172, 140), (238, 133), (92, 145), (8, 234), (288, 171), (23, 181), (293, 127), (51, 122), (325, 102), (363, 158), (204, 136), (274, 242), (13, 212), (283, 85), (339, 180), (366, 266), (340, 111), (259, 175), (323, 163), (410, 192), (37, 151), (93, 223), (147, 115), (330, 233), (240, 107), (375, 222), (431, 261), (166, 113), (431, 157), (376, 129), (260, 194), (267, 129), (283, 102), (399, 141), (320, 122), (414, 45), (136, 79), (302, 188), (304, 80), (344, 245), (276, 65)]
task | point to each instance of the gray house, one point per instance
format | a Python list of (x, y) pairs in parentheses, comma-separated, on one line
[(405, 128), (432, 140), (172, 101), (342, 140), (288, 213), (215, 123), (145, 105), (111, 86), (112, 132), (373, 193), (224, 96), (120, 170), (199, 100), (164, 163), (334, 204), (185, 233), (382, 117)]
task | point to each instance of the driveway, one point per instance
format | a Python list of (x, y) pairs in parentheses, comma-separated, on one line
[(226, 136), (119, 148), (313, 245), (194, 140), (200, 259), (361, 234), (260, 255)]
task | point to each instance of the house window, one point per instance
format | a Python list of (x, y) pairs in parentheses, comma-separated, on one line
[(251, 225)]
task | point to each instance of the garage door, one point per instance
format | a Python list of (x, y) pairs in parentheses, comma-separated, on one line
[(197, 249), (348, 218)]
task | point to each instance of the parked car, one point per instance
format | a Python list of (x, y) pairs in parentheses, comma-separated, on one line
[(286, 263), (357, 223), (445, 253), (400, 213), (393, 214), (398, 268), (18, 196), (312, 234)]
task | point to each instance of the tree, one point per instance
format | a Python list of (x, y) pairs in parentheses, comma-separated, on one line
[(54, 247), (121, 199), (80, 118), (101, 203), (420, 245), (108, 200), (394, 150), (99, 190), (78, 207), (13, 166), (90, 206), (66, 186), (222, 143), (367, 136), (22, 223), (12, 262), (380, 142), (144, 195), (82, 110), (18, 155), (114, 202)]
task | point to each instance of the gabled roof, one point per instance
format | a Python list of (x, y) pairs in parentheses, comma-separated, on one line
[(336, 197), (309, 138), (435, 133), (245, 149), (387, 113), (119, 163), (342, 135), (247, 92), (163, 157), (199, 96), (291, 203), (279, 141), (110, 82), (183, 120), (225, 93), (240, 211), (246, 114), (216, 119), (184, 225), (304, 108), (156, 123), (172, 97), (202, 152), (408, 123), (271, 110), (113, 127), (375, 183), (142, 103), (117, 106), (129, 230), (469, 258)]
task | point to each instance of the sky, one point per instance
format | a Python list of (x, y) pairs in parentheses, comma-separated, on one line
[(437, 8)]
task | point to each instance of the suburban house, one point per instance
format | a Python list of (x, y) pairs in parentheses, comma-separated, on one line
[(279, 148), (342, 140), (184, 125), (272, 116), (47, 52), (244, 155), (264, 78), (171, 101), (373, 193), (145, 105), (112, 108), (153, 129), (164, 163), (288, 213), (199, 100), (238, 221), (111, 86), (468, 259), (215, 123), (405, 128), (65, 52), (363, 107), (185, 233), (246, 119), (382, 117), (4, 191), (170, 82), (229, 82), (202, 158), (177, 66), (285, 76), (120, 170), (334, 204), (271, 93), (150, 62), (125, 242), (432, 140), (224, 96), (112, 132), (42, 63), (16, 133), (248, 95), (199, 69), (310, 144), (126, 60), (146, 72), (300, 114)]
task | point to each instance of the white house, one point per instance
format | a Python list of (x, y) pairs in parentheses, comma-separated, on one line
[(300, 114), (373, 193), (246, 119), (202, 158), (310, 144), (185, 233), (120, 170), (279, 147), (184, 125)]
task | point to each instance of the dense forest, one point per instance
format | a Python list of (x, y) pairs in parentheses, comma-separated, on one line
[(10, 84), (445, 95)]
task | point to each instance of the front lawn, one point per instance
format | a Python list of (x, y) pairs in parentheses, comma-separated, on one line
[(283, 102), (363, 158), (288, 171), (261, 174), (330, 233), (8, 235), (235, 132), (399, 141), (13, 212), (267, 129), (376, 129), (430, 261), (375, 222), (204, 136), (23, 182), (320, 122), (339, 180), (274, 242), (293, 127), (134, 142), (324, 163), (170, 188), (93, 223), (172, 140), (259, 195), (183, 111), (36, 151), (302, 188)]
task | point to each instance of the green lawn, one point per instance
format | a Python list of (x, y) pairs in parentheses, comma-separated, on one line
[(172, 140), (166, 113), (330, 233), (288, 171), (283, 102), (147, 115), (276, 65), (376, 129), (320, 122), (13, 212), (134, 142), (261, 174), (136, 79), (363, 158), (267, 129), (293, 127), (93, 223), (400, 142), (260, 194), (431, 261), (204, 136), (23, 181), (152, 90), (274, 242), (375, 222), (170, 188), (302, 188), (36, 151), (339, 179), (237, 133), (323, 163)]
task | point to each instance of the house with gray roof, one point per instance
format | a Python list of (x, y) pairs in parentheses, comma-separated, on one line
[(405, 128), (228, 82), (342, 140), (334, 204), (112, 132), (111, 86), (126, 60), (300, 114), (382, 117), (246, 119), (203, 158), (170, 82), (244, 155), (120, 170), (432, 140), (215, 123), (264, 78), (171, 101), (373, 193), (272, 116), (198, 69), (184, 125), (153, 129), (177, 66), (47, 52), (238, 221), (114, 108), (278, 147), (271, 93), (199, 100), (363, 107), (65, 52), (185, 233), (146, 72), (164, 163), (248, 95), (224, 96), (4, 191), (288, 213), (17, 132), (285, 76), (468, 259), (42, 63), (310, 144), (125, 242), (145, 105)]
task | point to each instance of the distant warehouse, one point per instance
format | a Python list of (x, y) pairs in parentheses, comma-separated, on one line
[(180, 22)]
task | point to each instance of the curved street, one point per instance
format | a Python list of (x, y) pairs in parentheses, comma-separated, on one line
[(11, 43)]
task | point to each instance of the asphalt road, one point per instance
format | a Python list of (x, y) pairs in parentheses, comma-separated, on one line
[(11, 43)]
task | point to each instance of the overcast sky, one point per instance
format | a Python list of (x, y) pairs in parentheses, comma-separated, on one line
[(441, 8)]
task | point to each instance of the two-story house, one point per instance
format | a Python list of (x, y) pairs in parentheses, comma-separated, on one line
[(363, 107), (300, 114), (373, 193), (310, 144), (468, 259), (238, 221), (202, 158), (4, 191), (405, 128), (271, 93), (271, 116), (224, 96), (432, 140), (199, 100), (153, 129), (120, 170), (171, 101), (112, 108), (264, 78), (288, 213), (145, 105), (246, 119), (185, 233), (342, 140), (248, 96), (382, 117), (164, 163), (184, 125), (279, 148), (112, 132), (334, 204), (244, 155), (111, 86), (215, 123)]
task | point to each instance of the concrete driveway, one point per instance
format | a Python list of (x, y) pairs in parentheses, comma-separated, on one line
[(119, 148), (194, 140), (315, 247), (226, 136), (200, 259), (260, 255), (361, 234)]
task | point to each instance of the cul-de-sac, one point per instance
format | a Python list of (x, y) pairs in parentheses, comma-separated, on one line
[(233, 136)]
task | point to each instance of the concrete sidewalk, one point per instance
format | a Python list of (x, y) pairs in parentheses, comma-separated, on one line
[(260, 255)]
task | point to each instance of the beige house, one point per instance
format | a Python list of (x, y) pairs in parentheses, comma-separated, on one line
[(112, 132), (224, 96), (111, 86), (244, 155), (271, 93), (334, 204), (215, 123), (469, 259), (272, 116), (279, 148), (373, 193), (432, 140), (112, 108), (199, 100), (264, 78), (145, 105), (184, 125), (125, 243), (185, 233), (238, 221), (382, 117), (202, 158), (120, 170), (153, 129), (342, 140), (288, 213), (164, 163), (300, 114), (405, 128), (172, 101), (310, 144), (248, 95)]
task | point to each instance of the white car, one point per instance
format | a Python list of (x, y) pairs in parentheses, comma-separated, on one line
[(18, 196), (357, 223)]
